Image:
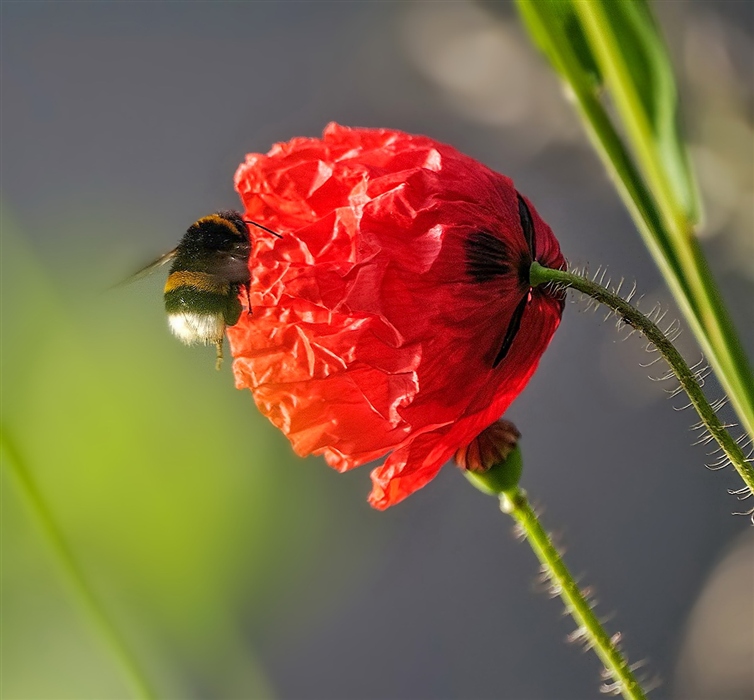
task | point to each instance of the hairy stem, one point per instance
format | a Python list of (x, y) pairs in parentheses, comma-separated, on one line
[(589, 630), (633, 317), (41, 513)]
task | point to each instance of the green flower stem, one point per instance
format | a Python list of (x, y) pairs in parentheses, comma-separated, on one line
[(634, 318), (515, 504), (55, 539)]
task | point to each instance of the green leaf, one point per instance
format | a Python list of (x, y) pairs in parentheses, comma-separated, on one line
[(639, 76), (612, 56), (560, 28)]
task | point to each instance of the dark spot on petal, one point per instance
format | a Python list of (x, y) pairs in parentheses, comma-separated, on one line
[(527, 225), (486, 257), (510, 334)]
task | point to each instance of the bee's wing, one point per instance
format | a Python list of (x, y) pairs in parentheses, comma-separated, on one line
[(149, 269)]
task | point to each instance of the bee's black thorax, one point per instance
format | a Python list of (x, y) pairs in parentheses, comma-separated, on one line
[(217, 245)]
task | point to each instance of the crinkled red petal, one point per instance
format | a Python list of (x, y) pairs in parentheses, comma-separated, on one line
[(368, 335)]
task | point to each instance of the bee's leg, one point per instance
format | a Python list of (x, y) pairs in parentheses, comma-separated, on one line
[(248, 299), (219, 346)]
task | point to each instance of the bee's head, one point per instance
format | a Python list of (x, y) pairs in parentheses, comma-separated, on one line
[(236, 220), (217, 244)]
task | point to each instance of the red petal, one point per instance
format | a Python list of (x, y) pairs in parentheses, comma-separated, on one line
[(368, 334)]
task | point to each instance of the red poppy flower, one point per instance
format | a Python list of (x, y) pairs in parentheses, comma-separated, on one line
[(394, 314)]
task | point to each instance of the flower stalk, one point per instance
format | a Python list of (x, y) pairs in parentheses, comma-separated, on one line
[(44, 519), (630, 315), (590, 631)]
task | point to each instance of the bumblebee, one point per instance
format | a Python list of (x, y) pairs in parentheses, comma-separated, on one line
[(209, 269)]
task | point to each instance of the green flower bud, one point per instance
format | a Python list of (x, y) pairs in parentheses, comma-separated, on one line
[(492, 461)]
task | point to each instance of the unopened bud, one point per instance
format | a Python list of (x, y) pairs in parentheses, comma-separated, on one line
[(492, 461)]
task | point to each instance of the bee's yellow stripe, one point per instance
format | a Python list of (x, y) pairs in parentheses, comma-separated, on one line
[(220, 220), (198, 280)]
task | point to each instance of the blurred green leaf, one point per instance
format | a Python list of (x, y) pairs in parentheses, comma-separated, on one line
[(559, 34), (611, 55), (158, 482), (200, 531)]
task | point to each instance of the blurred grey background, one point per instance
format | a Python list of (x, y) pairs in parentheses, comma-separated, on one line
[(122, 122)]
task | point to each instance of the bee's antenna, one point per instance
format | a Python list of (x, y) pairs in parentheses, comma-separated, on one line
[(264, 228)]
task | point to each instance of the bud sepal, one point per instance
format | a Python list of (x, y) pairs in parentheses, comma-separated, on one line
[(492, 462)]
